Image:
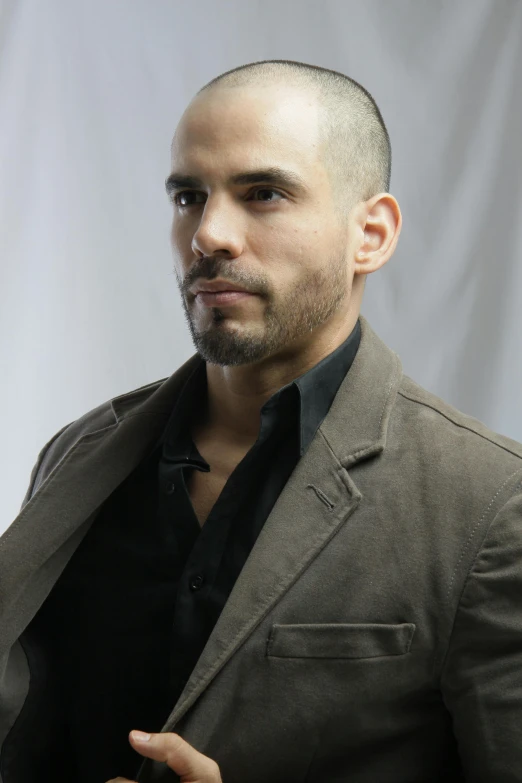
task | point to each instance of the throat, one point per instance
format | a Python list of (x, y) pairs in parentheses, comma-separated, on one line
[(204, 488)]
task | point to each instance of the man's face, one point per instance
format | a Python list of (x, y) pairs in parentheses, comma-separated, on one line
[(283, 241)]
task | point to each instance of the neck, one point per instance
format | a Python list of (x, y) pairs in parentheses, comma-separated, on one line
[(237, 394)]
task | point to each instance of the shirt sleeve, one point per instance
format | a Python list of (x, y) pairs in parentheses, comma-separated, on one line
[(482, 674)]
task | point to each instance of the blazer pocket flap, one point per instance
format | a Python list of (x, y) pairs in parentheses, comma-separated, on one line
[(339, 640)]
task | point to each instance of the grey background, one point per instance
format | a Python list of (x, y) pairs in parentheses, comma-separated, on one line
[(90, 93)]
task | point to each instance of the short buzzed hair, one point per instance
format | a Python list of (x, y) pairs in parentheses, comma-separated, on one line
[(357, 150)]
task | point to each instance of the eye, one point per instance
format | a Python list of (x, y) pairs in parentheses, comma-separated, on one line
[(267, 191), (186, 198), (189, 198)]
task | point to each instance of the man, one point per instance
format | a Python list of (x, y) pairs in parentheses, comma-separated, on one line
[(287, 561)]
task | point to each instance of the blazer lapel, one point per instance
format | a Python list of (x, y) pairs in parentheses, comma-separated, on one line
[(316, 501)]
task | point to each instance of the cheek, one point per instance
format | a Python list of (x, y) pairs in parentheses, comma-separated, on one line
[(289, 260), (181, 234), (175, 234), (301, 245), (289, 236)]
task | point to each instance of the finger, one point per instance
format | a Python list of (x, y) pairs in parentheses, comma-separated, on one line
[(120, 780), (182, 758)]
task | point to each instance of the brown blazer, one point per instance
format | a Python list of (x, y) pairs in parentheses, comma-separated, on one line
[(374, 634)]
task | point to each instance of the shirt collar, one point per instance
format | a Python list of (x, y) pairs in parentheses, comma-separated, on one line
[(316, 390), (318, 387)]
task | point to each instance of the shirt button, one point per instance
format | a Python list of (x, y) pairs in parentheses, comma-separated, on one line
[(196, 582), (170, 487)]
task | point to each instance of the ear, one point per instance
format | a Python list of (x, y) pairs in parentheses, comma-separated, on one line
[(380, 220)]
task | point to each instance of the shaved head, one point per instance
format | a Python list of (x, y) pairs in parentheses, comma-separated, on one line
[(355, 144)]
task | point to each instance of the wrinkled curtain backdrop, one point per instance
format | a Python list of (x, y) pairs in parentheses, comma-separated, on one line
[(90, 92)]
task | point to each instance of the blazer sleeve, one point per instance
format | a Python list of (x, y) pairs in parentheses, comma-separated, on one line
[(482, 674)]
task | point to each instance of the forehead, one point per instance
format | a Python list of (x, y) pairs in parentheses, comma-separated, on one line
[(237, 127)]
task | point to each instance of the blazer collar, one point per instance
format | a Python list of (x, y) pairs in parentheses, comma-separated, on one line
[(357, 422)]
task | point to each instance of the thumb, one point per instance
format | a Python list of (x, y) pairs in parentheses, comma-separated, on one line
[(187, 762)]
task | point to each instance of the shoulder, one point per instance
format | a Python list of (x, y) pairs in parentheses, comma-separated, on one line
[(445, 443), (436, 415), (102, 417)]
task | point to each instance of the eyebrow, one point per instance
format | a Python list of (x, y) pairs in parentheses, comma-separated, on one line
[(273, 176)]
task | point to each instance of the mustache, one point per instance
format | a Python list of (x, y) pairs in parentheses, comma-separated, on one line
[(211, 268)]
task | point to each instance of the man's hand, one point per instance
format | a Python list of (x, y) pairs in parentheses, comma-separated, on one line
[(182, 758)]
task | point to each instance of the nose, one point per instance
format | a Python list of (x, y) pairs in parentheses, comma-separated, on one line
[(219, 231)]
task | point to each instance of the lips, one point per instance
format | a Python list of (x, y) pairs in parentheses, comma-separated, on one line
[(221, 298), (216, 286), (221, 290)]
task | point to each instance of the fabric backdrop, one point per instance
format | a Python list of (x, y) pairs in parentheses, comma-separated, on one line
[(90, 93)]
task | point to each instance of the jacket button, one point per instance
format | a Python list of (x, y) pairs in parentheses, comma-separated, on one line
[(196, 582), (170, 487)]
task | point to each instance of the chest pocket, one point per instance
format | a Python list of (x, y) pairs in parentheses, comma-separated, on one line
[(339, 640)]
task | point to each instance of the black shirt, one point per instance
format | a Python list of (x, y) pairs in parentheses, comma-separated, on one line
[(135, 605)]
